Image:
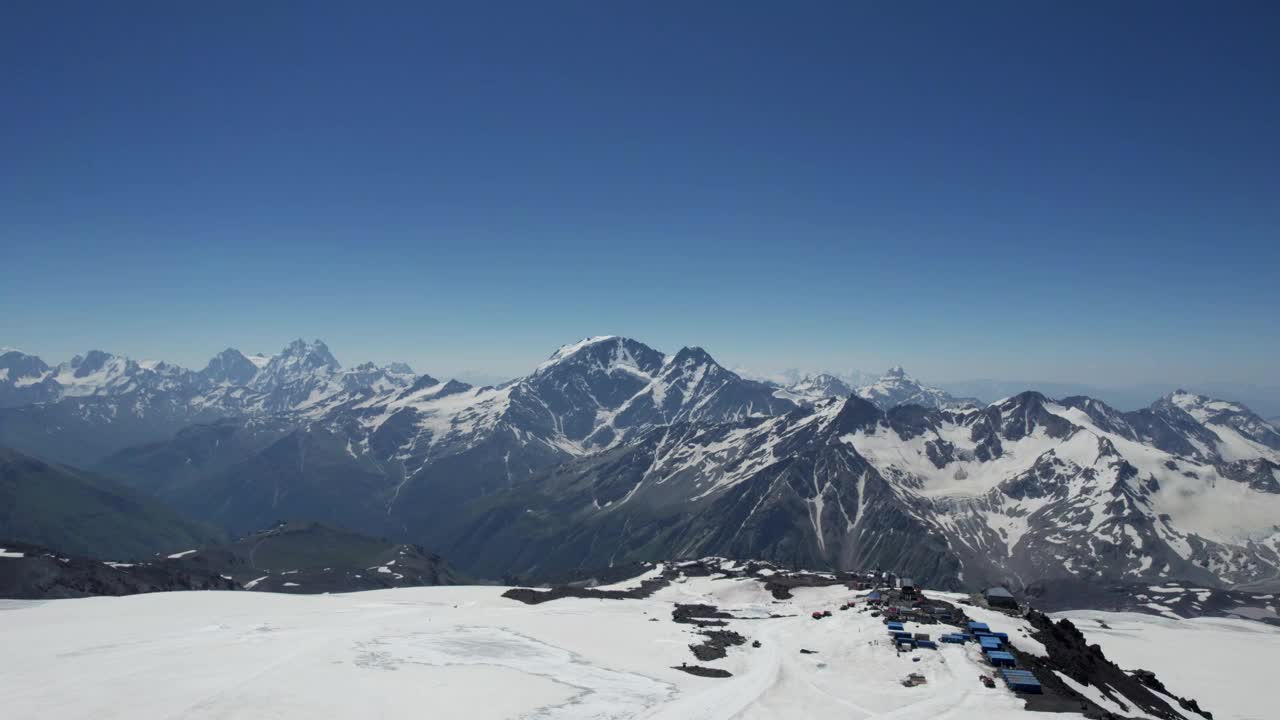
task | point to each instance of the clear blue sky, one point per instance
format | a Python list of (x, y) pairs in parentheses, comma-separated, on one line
[(1073, 191)]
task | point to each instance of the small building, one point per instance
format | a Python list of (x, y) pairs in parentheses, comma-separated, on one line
[(1000, 597), (977, 627), (908, 587), (989, 643)]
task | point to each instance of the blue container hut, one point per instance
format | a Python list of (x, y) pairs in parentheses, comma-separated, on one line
[(1022, 681), (1000, 658)]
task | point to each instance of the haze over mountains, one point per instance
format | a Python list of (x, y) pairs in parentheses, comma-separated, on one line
[(611, 451)]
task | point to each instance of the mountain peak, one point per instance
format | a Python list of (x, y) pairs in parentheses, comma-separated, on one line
[(822, 377), (567, 351), (91, 360), (314, 354), (694, 356), (20, 364), (857, 414), (605, 352), (896, 387), (1026, 398), (814, 387)]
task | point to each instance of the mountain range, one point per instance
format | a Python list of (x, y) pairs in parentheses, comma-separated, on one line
[(97, 403), (611, 452)]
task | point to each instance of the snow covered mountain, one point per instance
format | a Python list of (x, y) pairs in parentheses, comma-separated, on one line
[(412, 458), (896, 387), (98, 402), (611, 451), (893, 388), (812, 388), (1024, 490), (1240, 434), (26, 379)]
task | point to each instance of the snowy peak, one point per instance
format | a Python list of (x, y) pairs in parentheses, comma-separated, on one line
[(229, 367), (1240, 434), (15, 365), (895, 372), (96, 360), (604, 354), (230, 384), (896, 387), (298, 359), (311, 356), (98, 373), (830, 384), (24, 379), (305, 373), (689, 356), (1027, 413), (1203, 409), (378, 379), (812, 388)]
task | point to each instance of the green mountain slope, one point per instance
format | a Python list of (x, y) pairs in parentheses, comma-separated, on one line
[(85, 514)]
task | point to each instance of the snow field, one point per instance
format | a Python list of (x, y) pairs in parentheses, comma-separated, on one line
[(467, 652)]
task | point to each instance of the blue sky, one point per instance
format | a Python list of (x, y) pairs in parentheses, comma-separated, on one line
[(1085, 192)]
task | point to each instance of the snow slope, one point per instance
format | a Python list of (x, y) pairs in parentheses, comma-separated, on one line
[(467, 652), (1227, 665)]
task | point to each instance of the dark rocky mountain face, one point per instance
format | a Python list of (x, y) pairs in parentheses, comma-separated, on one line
[(312, 558), (32, 572), (295, 557), (1180, 598)]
